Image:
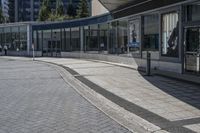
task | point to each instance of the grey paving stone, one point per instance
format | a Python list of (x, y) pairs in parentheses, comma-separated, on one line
[(35, 99)]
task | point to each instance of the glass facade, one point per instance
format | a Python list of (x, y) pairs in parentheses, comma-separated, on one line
[(170, 31), (151, 32), (14, 37), (103, 36), (193, 12), (75, 39), (94, 38), (134, 40)]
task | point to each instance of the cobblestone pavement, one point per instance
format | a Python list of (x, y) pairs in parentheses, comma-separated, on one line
[(35, 99)]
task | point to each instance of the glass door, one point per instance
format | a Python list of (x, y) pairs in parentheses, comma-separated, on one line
[(192, 50)]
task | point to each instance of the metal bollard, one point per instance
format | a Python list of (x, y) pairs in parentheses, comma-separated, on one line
[(148, 67)]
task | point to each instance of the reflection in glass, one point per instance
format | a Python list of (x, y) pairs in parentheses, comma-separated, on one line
[(68, 40), (103, 36), (151, 32), (23, 38), (193, 12), (75, 39), (15, 41), (46, 42), (134, 37), (113, 38), (122, 36), (94, 38), (86, 38), (170, 34)]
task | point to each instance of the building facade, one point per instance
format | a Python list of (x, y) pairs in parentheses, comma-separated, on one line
[(169, 30), (5, 8), (28, 10)]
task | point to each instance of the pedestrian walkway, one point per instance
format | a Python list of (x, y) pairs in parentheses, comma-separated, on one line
[(35, 99), (167, 104)]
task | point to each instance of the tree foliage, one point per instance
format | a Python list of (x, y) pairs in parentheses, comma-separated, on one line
[(44, 11), (59, 8), (82, 9)]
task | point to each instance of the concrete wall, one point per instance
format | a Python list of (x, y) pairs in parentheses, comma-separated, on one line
[(134, 62)]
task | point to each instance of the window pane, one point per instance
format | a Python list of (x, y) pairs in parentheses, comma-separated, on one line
[(134, 37), (15, 38), (86, 38), (94, 44), (68, 40), (170, 34), (75, 39), (23, 38), (122, 36), (113, 38), (193, 12), (103, 36), (151, 32), (47, 38)]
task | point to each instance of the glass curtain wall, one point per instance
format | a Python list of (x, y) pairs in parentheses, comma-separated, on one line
[(7, 32), (23, 38), (1, 39), (134, 37), (47, 38), (86, 37), (193, 12), (113, 45), (151, 32), (75, 39), (56, 41), (94, 38), (122, 36), (15, 43), (103, 36), (63, 39), (170, 33), (67, 46)]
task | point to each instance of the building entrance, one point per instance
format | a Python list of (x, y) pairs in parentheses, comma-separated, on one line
[(192, 50), (53, 49)]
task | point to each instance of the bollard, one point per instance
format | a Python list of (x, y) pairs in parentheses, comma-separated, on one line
[(148, 67)]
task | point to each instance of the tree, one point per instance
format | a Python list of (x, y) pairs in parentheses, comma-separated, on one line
[(2, 19), (44, 11), (59, 8), (82, 9)]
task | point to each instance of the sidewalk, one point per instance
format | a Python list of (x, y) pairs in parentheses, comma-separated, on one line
[(155, 103)]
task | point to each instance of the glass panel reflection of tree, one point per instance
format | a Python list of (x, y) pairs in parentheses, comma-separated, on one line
[(170, 34)]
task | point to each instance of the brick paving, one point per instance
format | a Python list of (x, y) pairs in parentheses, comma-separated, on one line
[(35, 99)]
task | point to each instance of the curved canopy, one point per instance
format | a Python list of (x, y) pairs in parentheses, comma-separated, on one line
[(113, 5), (121, 8)]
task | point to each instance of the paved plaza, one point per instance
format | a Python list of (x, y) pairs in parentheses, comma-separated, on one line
[(171, 105), (35, 99)]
